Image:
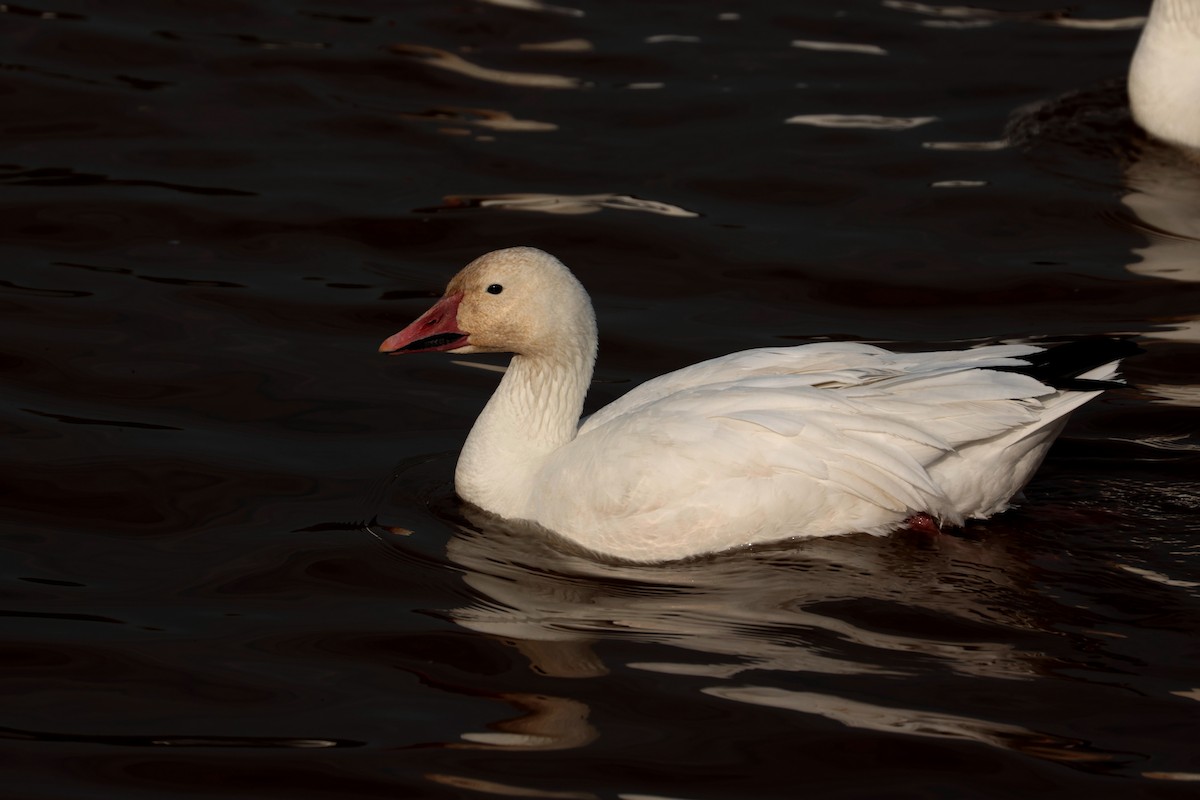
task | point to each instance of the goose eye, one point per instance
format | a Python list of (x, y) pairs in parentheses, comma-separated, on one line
[(495, 288)]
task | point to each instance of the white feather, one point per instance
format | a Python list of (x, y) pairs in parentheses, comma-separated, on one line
[(757, 446), (1164, 76)]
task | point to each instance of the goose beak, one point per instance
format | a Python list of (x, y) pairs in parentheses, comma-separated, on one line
[(436, 329)]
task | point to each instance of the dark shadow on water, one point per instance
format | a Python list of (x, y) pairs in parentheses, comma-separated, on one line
[(816, 628)]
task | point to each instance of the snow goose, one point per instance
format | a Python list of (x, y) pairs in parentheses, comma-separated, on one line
[(753, 447), (1164, 76)]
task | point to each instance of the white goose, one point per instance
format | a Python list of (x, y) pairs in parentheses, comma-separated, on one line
[(1164, 76), (752, 447)]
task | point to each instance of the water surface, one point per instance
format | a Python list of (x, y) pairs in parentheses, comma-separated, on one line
[(233, 562)]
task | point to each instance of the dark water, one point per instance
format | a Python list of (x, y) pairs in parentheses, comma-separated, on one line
[(233, 564)]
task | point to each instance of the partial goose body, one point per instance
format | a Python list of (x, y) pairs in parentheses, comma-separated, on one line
[(752, 447), (1164, 76)]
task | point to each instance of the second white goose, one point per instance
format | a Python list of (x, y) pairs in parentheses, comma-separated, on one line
[(1164, 76)]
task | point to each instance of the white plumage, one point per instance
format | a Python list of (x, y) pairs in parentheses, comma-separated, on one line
[(1164, 76), (752, 447)]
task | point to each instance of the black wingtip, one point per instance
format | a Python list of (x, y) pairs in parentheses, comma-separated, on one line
[(1061, 365)]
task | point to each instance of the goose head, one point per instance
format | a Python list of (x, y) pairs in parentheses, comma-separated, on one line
[(518, 300)]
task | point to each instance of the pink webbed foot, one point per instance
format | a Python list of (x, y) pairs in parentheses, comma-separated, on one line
[(923, 524)]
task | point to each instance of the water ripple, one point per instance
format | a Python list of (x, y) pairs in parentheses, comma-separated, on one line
[(839, 47), (916, 722), (174, 740), (490, 118), (48, 176), (864, 121), (974, 16), (445, 60), (40, 13), (536, 5), (563, 203)]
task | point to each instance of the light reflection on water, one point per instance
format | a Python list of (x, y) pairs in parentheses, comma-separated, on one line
[(214, 216), (451, 62), (742, 608), (565, 204), (844, 614), (836, 608), (865, 121)]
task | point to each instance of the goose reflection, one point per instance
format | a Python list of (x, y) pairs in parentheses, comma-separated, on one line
[(1163, 193), (749, 610), (843, 606)]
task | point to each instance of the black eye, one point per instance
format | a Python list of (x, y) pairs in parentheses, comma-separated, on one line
[(495, 288)]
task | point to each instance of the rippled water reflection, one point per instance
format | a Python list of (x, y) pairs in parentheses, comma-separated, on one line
[(233, 561)]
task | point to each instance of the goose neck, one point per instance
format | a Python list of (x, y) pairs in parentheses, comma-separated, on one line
[(534, 411)]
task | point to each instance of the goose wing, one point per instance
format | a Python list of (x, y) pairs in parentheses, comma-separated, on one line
[(830, 437)]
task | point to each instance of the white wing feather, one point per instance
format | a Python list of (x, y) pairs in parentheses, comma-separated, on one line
[(824, 438)]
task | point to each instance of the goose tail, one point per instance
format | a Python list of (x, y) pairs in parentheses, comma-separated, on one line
[(1090, 364)]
